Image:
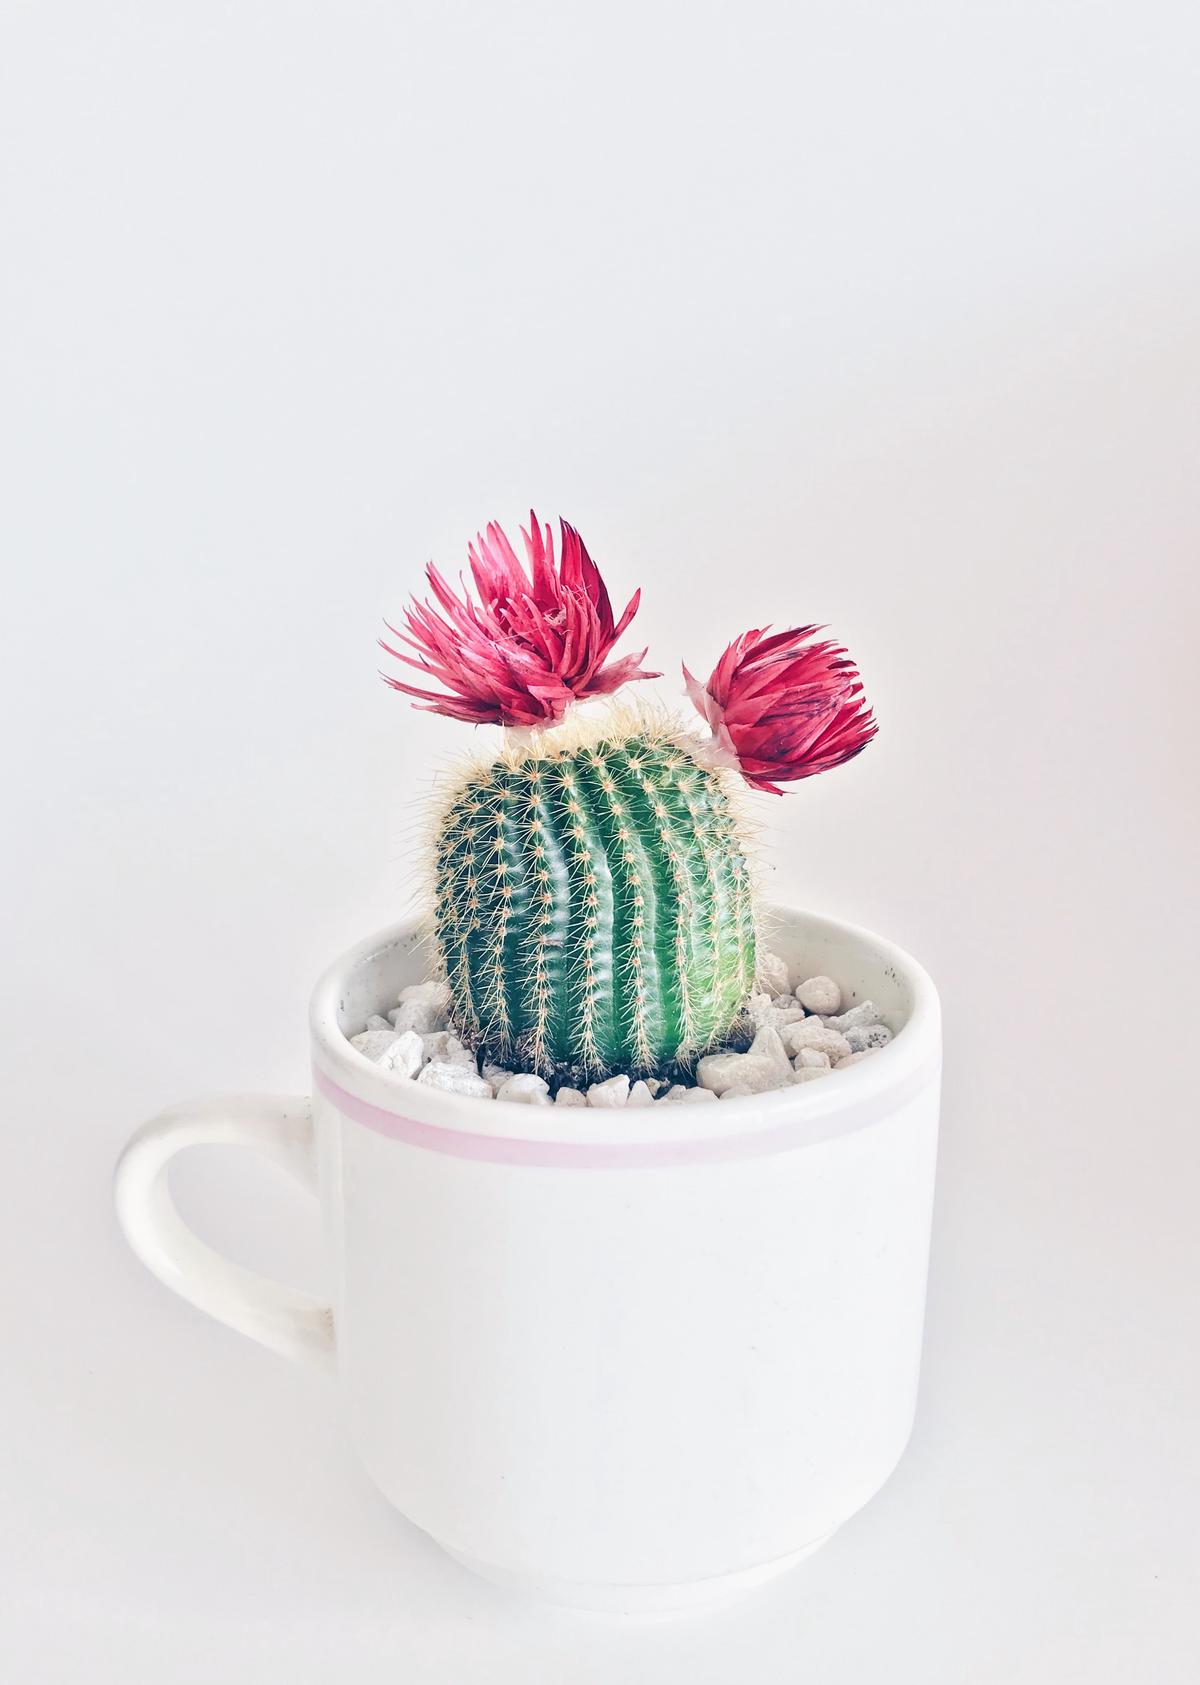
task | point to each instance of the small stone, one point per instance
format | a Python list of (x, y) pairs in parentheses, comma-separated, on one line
[(454, 1078), (853, 1058), (819, 994), (867, 1038), (423, 1016), (435, 994), (694, 1096), (812, 1033), (767, 1045), (441, 1044), (751, 1073), (611, 1093), (655, 1085), (405, 1056), (860, 1016), (778, 1014), (675, 1094), (639, 1095), (806, 1073), (773, 973), (373, 1044), (495, 1076), (570, 1097), (716, 1071), (527, 1089), (812, 1059), (377, 1022)]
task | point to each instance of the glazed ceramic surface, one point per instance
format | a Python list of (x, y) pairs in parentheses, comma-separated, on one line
[(620, 1359)]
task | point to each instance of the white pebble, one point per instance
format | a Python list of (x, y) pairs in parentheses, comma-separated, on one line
[(373, 1044), (775, 1011), (717, 1071), (430, 994), (613, 1092), (639, 1095), (865, 1013), (422, 1016), (767, 1045), (866, 1038), (806, 1073), (405, 1056), (773, 973), (377, 1022), (495, 1076), (454, 1078), (853, 1059), (819, 994), (570, 1097), (750, 1073), (526, 1088), (693, 1096), (812, 1059), (812, 1033)]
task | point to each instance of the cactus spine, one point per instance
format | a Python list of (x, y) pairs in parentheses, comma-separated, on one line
[(593, 908)]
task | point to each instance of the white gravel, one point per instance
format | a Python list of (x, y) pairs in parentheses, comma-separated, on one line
[(405, 1056), (530, 1090), (819, 994), (812, 1059), (799, 1037), (859, 1017), (611, 1093), (813, 1033), (455, 1078)]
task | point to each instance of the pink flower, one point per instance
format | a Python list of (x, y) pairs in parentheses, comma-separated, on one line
[(784, 708), (530, 647)]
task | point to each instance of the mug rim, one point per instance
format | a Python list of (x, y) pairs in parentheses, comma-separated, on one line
[(806, 1113)]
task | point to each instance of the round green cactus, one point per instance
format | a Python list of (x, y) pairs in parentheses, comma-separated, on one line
[(593, 907)]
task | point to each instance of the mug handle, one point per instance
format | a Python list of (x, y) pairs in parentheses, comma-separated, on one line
[(289, 1321)]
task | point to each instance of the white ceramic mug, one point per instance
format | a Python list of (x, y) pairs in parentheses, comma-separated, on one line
[(619, 1359)]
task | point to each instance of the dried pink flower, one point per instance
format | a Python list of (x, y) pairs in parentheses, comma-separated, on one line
[(784, 708), (531, 646)]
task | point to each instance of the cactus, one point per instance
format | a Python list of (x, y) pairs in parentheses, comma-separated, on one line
[(592, 900), (593, 908)]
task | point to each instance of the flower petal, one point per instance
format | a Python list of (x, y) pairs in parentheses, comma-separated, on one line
[(532, 644), (783, 706)]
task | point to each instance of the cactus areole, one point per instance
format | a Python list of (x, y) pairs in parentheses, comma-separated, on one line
[(592, 899)]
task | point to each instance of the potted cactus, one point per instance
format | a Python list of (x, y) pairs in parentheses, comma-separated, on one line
[(605, 1346), (593, 902)]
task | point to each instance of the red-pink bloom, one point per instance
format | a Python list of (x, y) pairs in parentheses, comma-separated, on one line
[(784, 708), (531, 646)]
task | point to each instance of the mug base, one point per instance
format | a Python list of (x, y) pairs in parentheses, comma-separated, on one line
[(653, 1599)]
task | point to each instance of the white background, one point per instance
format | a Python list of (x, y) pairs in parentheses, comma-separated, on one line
[(879, 314)]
